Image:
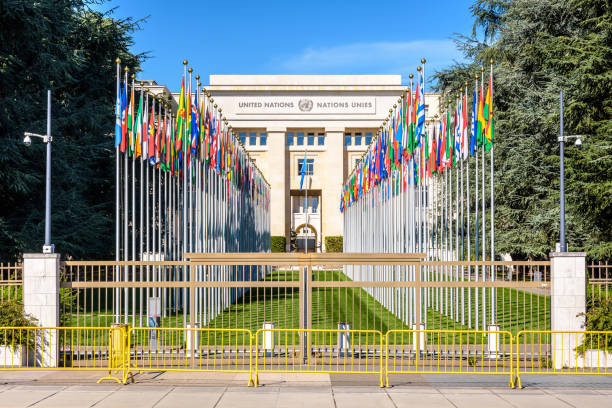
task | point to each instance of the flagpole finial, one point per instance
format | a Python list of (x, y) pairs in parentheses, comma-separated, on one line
[(141, 84), (184, 62), (190, 70), (419, 68), (394, 105), (126, 69), (410, 76), (491, 61), (197, 77), (133, 76), (481, 69), (423, 60), (476, 77), (118, 60), (147, 90), (220, 110), (466, 83)]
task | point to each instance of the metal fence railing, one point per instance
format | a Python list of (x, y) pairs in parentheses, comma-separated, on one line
[(123, 351), (599, 280), (315, 291), (449, 352), (319, 351), (11, 281), (563, 353)]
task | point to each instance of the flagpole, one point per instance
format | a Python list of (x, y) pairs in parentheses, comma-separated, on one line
[(117, 191), (134, 227), (476, 216), (125, 218), (492, 232), (469, 227)]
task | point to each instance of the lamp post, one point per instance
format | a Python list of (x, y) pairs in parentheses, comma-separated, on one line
[(48, 247), (562, 139)]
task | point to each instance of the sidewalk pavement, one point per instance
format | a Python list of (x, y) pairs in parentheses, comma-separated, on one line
[(184, 390)]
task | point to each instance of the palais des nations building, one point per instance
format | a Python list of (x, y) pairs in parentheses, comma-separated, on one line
[(331, 117)]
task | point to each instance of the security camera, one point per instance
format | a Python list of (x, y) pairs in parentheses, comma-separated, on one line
[(27, 141), (578, 142)]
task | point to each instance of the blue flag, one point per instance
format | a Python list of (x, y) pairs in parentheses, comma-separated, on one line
[(303, 171), (118, 118)]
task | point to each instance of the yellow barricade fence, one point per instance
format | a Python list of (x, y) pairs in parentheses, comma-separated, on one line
[(192, 349), (319, 351), (55, 348), (563, 353), (449, 352)]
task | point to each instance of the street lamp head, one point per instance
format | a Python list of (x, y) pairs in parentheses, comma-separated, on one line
[(27, 141), (578, 142)]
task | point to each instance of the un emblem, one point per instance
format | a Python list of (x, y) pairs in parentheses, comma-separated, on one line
[(305, 105)]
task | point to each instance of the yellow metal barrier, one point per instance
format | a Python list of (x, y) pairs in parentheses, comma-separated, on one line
[(54, 348), (192, 349), (319, 351), (449, 352), (563, 353)]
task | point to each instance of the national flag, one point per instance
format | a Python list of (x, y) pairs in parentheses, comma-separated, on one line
[(138, 136), (303, 171), (481, 120), (488, 116), (118, 118), (124, 127), (130, 122), (151, 137), (474, 127), (420, 113)]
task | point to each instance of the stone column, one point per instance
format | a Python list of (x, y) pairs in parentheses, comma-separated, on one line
[(41, 286), (276, 178), (567, 300), (331, 219)]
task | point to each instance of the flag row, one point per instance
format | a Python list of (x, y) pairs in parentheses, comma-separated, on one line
[(408, 148), (148, 129)]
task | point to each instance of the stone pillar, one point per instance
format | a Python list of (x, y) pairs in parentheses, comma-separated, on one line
[(276, 178), (567, 300), (331, 219), (41, 287)]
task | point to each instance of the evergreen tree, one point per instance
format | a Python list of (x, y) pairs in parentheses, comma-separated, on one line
[(65, 46), (541, 47)]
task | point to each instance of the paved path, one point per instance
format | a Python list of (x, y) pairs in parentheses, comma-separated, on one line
[(184, 390)]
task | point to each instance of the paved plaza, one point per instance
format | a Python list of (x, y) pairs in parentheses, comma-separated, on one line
[(78, 389)]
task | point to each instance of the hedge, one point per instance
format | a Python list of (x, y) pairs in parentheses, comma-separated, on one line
[(277, 243), (333, 244)]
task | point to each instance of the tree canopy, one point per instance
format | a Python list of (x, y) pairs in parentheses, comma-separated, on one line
[(539, 48), (65, 46)]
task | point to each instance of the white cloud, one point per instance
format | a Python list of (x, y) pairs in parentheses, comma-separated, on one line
[(371, 58)]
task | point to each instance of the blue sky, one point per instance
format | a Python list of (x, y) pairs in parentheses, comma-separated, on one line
[(284, 37)]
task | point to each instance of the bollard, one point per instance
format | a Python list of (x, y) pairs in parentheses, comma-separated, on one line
[(422, 337), (493, 341), (344, 338), (268, 338)]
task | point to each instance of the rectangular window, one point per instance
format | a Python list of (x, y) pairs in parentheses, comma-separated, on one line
[(314, 209), (309, 169), (242, 137), (311, 139), (263, 139), (300, 139), (252, 139), (347, 139), (357, 139), (289, 139), (321, 139), (368, 138)]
